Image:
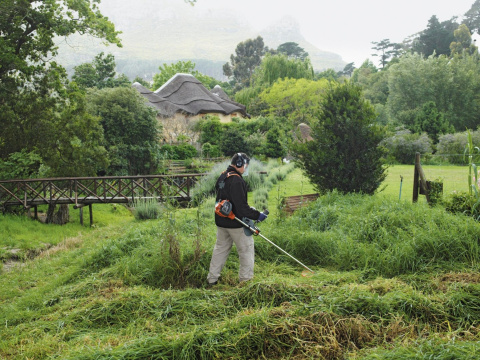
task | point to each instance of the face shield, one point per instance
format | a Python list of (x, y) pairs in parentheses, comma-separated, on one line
[(245, 169)]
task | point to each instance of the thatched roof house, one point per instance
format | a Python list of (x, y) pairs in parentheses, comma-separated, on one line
[(183, 100), (184, 94)]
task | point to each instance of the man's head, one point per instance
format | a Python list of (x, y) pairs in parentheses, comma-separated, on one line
[(240, 161)]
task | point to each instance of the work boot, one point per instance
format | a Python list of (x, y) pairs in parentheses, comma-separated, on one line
[(209, 284)]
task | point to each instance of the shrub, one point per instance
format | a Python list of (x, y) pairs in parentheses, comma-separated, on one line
[(452, 147), (403, 146), (344, 153), (146, 209)]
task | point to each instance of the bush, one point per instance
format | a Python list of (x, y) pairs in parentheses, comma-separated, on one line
[(178, 152), (344, 153), (146, 209), (451, 147), (403, 146)]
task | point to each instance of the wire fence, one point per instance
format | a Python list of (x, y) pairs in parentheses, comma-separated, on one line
[(447, 169)]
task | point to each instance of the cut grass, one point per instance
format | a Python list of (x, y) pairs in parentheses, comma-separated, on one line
[(114, 293)]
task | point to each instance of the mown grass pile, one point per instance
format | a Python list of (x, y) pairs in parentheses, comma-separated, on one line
[(392, 280)]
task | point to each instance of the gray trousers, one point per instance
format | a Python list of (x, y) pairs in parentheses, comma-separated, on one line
[(245, 248)]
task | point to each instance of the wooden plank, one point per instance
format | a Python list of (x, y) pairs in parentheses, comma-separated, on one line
[(292, 203)]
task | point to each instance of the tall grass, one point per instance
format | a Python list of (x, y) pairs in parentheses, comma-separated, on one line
[(392, 280)]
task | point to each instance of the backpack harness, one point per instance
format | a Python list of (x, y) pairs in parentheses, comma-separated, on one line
[(223, 208)]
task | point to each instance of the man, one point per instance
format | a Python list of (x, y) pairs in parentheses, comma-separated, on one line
[(231, 186)]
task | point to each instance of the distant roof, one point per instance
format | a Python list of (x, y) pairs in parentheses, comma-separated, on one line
[(184, 93)]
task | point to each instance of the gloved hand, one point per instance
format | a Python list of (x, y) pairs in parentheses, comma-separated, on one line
[(262, 217)]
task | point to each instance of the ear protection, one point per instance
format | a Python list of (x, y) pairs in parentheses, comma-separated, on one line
[(240, 161)]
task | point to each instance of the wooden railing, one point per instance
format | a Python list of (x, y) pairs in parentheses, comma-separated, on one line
[(82, 191)]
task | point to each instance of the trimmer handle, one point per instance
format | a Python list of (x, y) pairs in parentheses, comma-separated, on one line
[(265, 212)]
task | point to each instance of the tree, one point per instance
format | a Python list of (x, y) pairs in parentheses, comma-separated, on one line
[(373, 82), (167, 71), (449, 83), (344, 153), (463, 42), (436, 38), (34, 92), (472, 17), (387, 50), (233, 141), (329, 74), (248, 55), (298, 100), (275, 143), (292, 50), (432, 122), (275, 67), (130, 128), (347, 70), (100, 73)]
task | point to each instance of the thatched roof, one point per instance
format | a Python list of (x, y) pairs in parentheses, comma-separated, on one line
[(184, 93)]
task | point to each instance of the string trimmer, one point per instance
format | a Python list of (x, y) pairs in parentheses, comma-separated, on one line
[(224, 208)]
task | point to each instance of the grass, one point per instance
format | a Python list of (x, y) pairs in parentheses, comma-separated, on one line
[(392, 280), (455, 178)]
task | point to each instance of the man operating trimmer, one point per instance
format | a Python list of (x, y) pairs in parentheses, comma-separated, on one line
[(232, 187)]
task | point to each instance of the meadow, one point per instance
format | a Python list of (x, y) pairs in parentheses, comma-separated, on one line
[(392, 280)]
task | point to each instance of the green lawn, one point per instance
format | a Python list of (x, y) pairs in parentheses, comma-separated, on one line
[(454, 178)]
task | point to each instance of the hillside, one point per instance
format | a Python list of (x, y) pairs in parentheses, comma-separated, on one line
[(155, 32)]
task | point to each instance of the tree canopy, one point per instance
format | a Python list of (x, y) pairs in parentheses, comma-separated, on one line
[(37, 106), (344, 154)]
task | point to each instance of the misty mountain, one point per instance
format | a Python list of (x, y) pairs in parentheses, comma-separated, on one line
[(164, 31)]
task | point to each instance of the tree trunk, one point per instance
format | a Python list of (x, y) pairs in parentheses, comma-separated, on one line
[(60, 217)]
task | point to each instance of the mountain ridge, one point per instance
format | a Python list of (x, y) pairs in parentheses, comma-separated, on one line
[(164, 31)]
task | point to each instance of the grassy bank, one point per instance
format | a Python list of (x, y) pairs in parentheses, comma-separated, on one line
[(392, 280)]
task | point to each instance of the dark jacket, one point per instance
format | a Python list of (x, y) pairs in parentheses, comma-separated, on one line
[(235, 190)]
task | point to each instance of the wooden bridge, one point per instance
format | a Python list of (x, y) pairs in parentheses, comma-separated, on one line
[(82, 191)]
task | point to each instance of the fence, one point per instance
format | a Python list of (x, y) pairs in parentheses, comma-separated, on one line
[(84, 191)]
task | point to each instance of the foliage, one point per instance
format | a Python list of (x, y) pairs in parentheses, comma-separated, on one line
[(392, 280), (347, 70), (130, 127), (386, 50), (39, 110), (211, 130), (279, 67), (178, 152), (298, 100), (470, 151), (436, 38), (211, 151), (147, 209), (167, 71), (20, 165), (276, 143), (404, 144), (431, 121), (329, 74), (452, 146), (233, 140), (248, 55), (463, 42), (100, 73), (344, 153), (415, 81), (292, 50), (472, 17)]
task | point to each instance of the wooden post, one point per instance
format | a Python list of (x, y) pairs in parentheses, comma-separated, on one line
[(90, 209), (419, 183), (415, 178), (81, 216), (36, 212)]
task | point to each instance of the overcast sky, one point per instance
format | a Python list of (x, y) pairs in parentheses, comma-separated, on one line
[(346, 27)]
